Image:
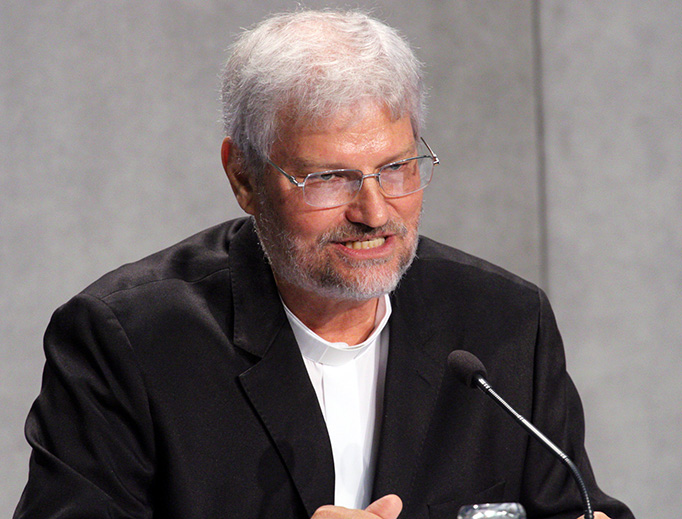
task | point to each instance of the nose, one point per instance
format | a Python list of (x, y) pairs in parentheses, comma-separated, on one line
[(369, 206)]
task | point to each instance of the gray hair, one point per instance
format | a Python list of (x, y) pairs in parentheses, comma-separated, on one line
[(307, 66)]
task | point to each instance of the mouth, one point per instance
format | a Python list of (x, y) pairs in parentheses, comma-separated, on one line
[(365, 244)]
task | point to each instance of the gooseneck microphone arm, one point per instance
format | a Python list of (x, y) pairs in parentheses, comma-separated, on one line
[(470, 370)]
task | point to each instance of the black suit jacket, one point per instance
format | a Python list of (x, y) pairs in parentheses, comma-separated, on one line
[(174, 388)]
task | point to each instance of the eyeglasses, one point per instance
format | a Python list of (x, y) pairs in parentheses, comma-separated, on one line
[(337, 187)]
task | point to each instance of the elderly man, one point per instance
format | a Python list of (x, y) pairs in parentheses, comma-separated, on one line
[(293, 364)]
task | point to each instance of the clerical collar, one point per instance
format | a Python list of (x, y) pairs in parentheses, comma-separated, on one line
[(317, 349)]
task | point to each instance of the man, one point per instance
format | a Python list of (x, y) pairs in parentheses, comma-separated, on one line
[(293, 364)]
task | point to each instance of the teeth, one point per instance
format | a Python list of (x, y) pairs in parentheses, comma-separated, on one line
[(367, 244)]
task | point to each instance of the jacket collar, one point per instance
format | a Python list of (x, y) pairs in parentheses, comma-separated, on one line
[(258, 312)]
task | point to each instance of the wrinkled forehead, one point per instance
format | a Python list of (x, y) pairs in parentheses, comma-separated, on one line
[(360, 137), (294, 121)]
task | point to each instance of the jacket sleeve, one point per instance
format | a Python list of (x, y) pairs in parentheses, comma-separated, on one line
[(549, 489), (90, 427)]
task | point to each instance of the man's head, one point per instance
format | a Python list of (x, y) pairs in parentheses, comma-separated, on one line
[(317, 91), (302, 68)]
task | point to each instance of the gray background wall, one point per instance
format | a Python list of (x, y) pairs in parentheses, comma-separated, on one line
[(559, 126)]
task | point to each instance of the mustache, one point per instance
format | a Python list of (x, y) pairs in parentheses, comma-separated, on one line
[(353, 231)]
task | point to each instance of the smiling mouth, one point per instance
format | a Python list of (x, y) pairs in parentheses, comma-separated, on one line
[(365, 244)]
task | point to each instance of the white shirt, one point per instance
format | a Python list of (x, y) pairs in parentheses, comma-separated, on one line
[(349, 382)]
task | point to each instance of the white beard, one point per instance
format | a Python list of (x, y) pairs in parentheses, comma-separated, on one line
[(313, 270)]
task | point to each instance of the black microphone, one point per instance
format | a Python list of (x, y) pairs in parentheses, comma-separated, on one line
[(471, 372)]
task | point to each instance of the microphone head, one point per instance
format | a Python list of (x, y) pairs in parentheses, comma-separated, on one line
[(466, 366)]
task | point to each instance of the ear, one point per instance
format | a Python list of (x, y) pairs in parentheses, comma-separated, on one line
[(242, 185)]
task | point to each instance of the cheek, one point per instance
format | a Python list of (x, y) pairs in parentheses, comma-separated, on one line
[(409, 208), (306, 222), (313, 224), (283, 203)]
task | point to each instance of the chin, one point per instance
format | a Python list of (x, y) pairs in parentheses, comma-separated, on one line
[(362, 284)]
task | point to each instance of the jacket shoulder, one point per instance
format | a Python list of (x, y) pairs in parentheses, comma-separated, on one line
[(434, 257), (449, 281), (188, 261)]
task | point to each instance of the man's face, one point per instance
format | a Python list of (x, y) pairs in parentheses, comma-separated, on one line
[(354, 252)]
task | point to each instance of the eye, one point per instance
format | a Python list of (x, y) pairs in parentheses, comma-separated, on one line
[(330, 177), (403, 166), (396, 166)]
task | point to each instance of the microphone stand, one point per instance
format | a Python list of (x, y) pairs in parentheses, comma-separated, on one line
[(480, 382)]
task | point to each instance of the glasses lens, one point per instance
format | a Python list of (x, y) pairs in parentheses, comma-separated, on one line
[(331, 188), (408, 176)]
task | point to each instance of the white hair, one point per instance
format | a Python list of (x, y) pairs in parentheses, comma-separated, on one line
[(307, 66)]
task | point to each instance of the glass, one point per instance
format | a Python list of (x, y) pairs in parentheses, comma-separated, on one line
[(492, 511), (337, 187)]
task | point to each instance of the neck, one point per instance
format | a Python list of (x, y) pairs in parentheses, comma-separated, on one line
[(332, 319)]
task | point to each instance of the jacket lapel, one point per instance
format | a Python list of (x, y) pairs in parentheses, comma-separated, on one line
[(416, 366), (278, 385), (280, 391)]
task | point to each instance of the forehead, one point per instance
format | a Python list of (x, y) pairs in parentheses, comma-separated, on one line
[(369, 130)]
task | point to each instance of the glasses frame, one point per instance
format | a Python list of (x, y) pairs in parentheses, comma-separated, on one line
[(434, 158)]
